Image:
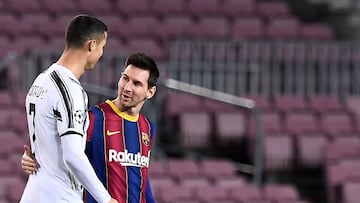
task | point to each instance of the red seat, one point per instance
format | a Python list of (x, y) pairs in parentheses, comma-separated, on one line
[(148, 46), (5, 98), (247, 28), (324, 104), (230, 127), (210, 27), (180, 168), (8, 190), (24, 6), (113, 44), (6, 43), (132, 7), (271, 9), (281, 192), (231, 182), (316, 32), (158, 168), (337, 124), (199, 8), (350, 191), (177, 26), (15, 189), (215, 107), (165, 8), (139, 26), (300, 123), (176, 102), (271, 123), (236, 8), (94, 7), (287, 103), (9, 24), (159, 182), (217, 168), (337, 174), (283, 28), (352, 104), (263, 102), (248, 193), (278, 152), (337, 151), (211, 193), (311, 149), (11, 143), (35, 24), (195, 130), (176, 193), (195, 182), (24, 44), (59, 8)]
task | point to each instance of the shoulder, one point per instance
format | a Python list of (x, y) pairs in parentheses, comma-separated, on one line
[(143, 118)]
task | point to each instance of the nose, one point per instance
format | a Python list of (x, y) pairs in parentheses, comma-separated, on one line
[(128, 87)]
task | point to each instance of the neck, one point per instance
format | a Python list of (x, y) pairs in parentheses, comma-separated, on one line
[(73, 60), (132, 111)]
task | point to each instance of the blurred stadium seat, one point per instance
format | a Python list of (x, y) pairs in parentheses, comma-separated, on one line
[(165, 8), (195, 129), (238, 9), (247, 28), (132, 7), (201, 8)]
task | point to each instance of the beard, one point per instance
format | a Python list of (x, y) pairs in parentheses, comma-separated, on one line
[(131, 102)]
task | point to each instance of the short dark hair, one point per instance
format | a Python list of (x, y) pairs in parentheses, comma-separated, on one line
[(144, 62), (82, 28)]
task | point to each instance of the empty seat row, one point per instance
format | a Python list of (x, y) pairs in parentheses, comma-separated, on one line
[(174, 26), (341, 171), (230, 8), (271, 193), (296, 137)]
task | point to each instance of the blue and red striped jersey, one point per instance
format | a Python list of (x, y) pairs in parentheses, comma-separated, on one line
[(118, 148)]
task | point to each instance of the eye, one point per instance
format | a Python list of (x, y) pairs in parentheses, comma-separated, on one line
[(125, 78)]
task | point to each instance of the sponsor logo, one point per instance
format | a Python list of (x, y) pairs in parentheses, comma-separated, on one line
[(145, 138), (126, 158), (111, 133)]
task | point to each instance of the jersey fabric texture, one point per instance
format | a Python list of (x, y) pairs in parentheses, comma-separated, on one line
[(56, 105), (119, 147)]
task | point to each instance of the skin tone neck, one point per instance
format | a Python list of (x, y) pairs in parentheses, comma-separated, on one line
[(132, 111), (75, 60)]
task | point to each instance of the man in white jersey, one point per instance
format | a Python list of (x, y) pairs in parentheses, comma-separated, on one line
[(56, 107)]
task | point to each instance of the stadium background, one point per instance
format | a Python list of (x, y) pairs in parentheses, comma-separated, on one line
[(297, 60)]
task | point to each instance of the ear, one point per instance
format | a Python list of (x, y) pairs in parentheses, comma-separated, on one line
[(91, 45), (151, 92)]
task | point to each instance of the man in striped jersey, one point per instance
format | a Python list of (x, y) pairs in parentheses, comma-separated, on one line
[(120, 137), (56, 107)]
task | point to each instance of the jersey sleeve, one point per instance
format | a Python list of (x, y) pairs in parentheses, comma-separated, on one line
[(71, 111)]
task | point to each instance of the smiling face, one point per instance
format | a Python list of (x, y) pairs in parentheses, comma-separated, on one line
[(133, 89)]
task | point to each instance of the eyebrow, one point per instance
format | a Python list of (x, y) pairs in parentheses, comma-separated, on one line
[(134, 81)]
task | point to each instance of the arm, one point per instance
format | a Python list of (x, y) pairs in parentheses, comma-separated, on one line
[(30, 166), (81, 168)]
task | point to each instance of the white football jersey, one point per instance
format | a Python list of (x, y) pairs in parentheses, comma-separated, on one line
[(56, 105)]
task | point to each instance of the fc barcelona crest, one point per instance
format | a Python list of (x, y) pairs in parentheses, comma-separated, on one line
[(145, 138)]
